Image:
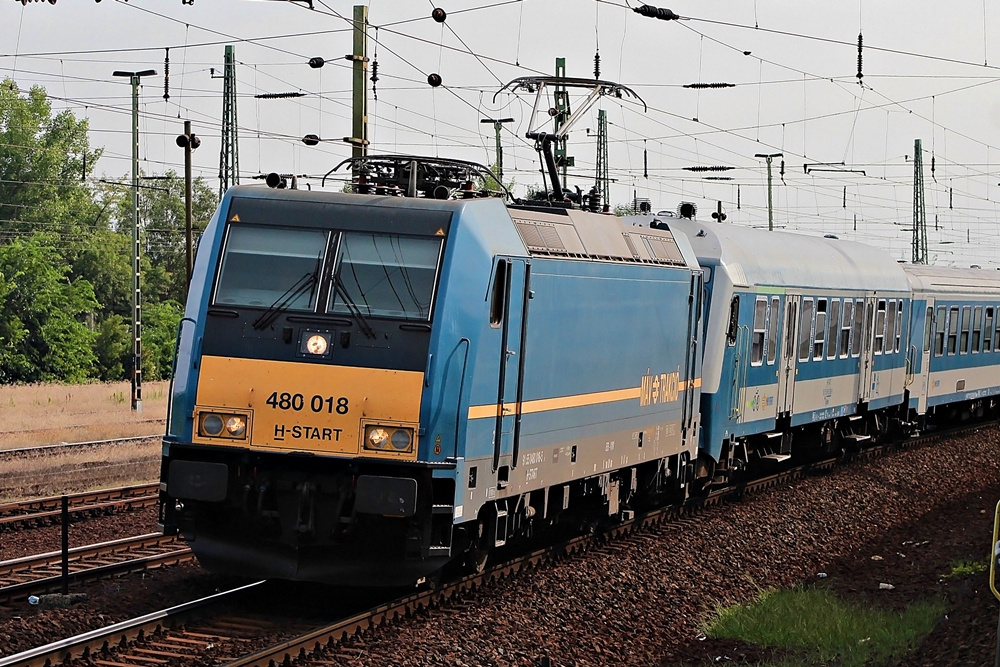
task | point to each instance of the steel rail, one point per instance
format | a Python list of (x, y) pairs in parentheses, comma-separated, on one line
[(42, 573), (87, 643), (48, 509)]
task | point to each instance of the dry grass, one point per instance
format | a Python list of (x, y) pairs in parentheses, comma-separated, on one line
[(116, 464), (45, 414)]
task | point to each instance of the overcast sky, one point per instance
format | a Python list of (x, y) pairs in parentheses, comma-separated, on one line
[(930, 72)]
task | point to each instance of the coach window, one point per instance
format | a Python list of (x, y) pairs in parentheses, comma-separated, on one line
[(759, 331), (899, 324), (880, 327), (772, 330), (953, 330), (845, 330), (805, 329), (966, 326), (940, 328), (833, 329), (859, 318), (734, 320), (890, 325), (820, 331), (977, 329), (988, 338), (928, 328), (996, 335), (499, 294)]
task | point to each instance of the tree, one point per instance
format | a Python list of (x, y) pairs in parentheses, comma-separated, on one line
[(45, 160), (42, 331), (163, 229), (490, 181)]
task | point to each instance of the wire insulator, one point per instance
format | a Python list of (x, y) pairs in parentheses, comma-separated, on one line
[(597, 65), (702, 86), (166, 75), (374, 79), (650, 11), (860, 41), (708, 168)]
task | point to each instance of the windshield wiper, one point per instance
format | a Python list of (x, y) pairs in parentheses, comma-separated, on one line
[(363, 324), (284, 302)]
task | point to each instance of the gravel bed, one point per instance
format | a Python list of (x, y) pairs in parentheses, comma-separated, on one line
[(82, 532), (643, 601)]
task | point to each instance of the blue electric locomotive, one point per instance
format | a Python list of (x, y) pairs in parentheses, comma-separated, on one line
[(370, 386)]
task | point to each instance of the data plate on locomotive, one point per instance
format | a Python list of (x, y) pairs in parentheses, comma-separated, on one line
[(307, 407)]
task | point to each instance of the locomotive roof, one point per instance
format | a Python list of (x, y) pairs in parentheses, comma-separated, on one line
[(754, 257), (951, 280)]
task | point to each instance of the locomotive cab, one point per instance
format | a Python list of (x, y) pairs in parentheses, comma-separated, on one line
[(294, 442)]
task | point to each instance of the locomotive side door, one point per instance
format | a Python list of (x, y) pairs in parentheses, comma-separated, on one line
[(922, 378), (786, 359), (867, 360), (512, 277)]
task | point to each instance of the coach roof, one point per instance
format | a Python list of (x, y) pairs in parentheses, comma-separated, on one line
[(754, 257)]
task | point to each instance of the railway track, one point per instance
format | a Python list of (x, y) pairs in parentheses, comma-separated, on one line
[(40, 451), (321, 643), (43, 573), (162, 633), (47, 511)]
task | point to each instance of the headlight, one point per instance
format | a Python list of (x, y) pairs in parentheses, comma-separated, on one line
[(222, 425), (236, 426), (378, 438), (401, 439), (211, 425), (317, 344), (395, 439)]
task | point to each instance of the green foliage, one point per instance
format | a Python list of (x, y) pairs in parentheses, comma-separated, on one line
[(159, 332), (491, 183), (44, 162), (41, 315), (964, 568), (816, 621), (66, 252), (621, 210), (163, 230), (113, 347)]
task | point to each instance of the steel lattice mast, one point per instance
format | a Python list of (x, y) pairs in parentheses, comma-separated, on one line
[(603, 179), (919, 211), (229, 157)]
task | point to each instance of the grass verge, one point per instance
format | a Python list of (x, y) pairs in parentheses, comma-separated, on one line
[(815, 623)]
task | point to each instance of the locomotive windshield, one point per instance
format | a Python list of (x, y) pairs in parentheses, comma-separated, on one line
[(385, 276), (373, 275), (261, 264)]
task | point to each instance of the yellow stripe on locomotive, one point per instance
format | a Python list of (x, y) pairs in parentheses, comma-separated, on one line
[(289, 406)]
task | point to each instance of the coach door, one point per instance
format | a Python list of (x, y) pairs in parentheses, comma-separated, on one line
[(865, 365), (786, 363), (922, 378), (511, 287)]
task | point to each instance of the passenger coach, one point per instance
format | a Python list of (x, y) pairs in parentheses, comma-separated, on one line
[(804, 335)]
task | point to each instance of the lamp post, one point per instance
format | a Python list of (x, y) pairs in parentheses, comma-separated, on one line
[(136, 300), (770, 208), (188, 141), (497, 125)]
